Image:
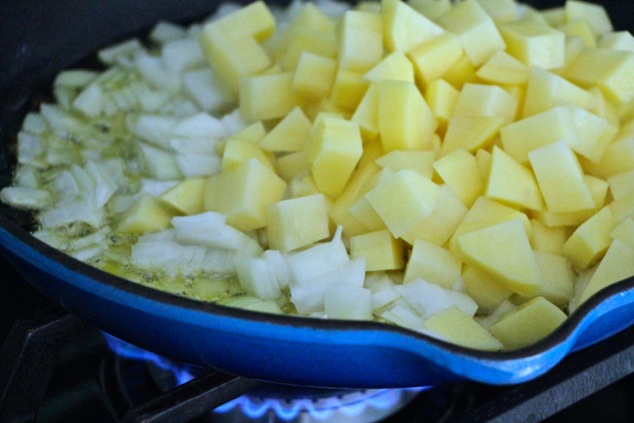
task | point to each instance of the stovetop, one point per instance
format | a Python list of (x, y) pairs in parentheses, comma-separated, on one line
[(56, 368)]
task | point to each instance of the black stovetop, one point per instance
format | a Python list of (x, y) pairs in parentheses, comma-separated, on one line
[(55, 368)]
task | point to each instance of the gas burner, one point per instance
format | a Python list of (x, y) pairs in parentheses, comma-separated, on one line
[(269, 402)]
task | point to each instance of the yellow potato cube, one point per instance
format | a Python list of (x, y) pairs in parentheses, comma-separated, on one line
[(419, 161), (302, 186), (460, 171), (442, 222), (548, 239), (395, 66), (560, 178), (187, 196), (148, 214), (362, 210), (483, 288), (528, 323), (595, 134), (618, 158), (485, 100), (435, 57), (433, 264), (314, 76), (233, 57), (333, 150), (558, 287), (501, 10), (243, 194), (417, 197), (546, 90), (478, 33), (297, 222), (591, 240), (534, 44), (238, 151), (290, 134), (514, 265), (523, 136), (267, 96), (432, 9), (380, 249), (624, 232), (367, 113), (610, 70), (254, 20), (441, 97), (309, 41), (511, 183), (360, 41), (349, 89), (405, 120), (292, 164), (503, 69), (621, 184), (339, 211), (617, 265), (461, 73), (580, 29), (617, 40), (594, 14), (405, 28), (471, 133), (253, 133), (455, 326)]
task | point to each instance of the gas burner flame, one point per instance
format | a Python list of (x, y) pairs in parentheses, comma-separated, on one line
[(349, 405)]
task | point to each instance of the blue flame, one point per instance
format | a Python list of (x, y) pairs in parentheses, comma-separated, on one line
[(322, 409)]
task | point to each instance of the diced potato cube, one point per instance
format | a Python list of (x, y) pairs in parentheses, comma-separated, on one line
[(485, 100), (607, 69), (441, 97), (616, 265), (243, 194), (367, 113), (405, 120), (292, 164), (580, 29), (360, 41), (548, 239), (309, 41), (395, 66), (511, 183), (435, 57), (560, 178), (523, 136), (417, 197), (501, 10), (594, 14), (267, 96), (514, 265), (503, 69), (483, 288), (617, 40), (432, 264), (478, 33), (558, 278), (297, 222), (333, 150), (348, 89), (314, 76), (461, 73), (441, 223), (471, 133), (618, 158), (238, 151), (420, 161), (233, 57), (621, 184), (595, 134), (455, 326), (528, 323), (591, 240), (187, 196), (433, 9), (380, 249), (254, 20), (148, 214), (534, 44), (405, 28), (546, 90), (624, 232), (290, 134), (460, 171)]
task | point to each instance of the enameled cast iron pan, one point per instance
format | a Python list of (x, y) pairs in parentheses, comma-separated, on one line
[(40, 38)]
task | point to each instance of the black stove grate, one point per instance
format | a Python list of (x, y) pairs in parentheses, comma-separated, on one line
[(56, 368)]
